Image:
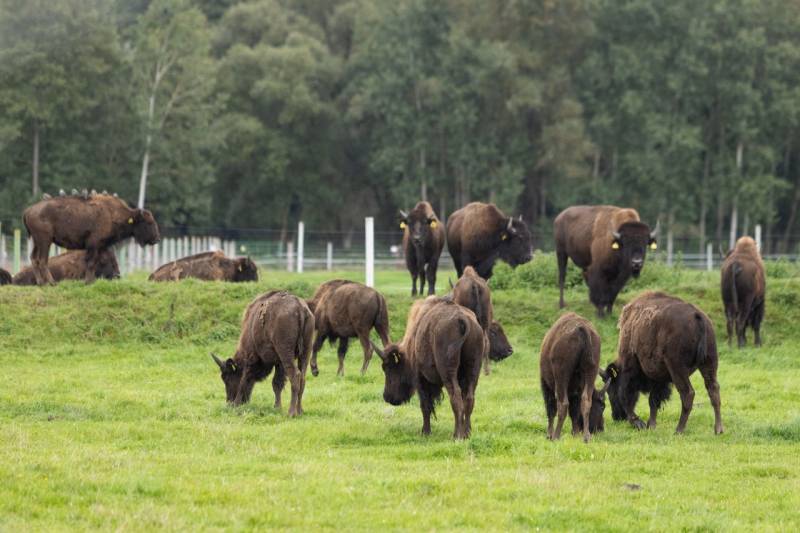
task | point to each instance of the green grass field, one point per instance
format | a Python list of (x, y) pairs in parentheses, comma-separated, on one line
[(112, 416)]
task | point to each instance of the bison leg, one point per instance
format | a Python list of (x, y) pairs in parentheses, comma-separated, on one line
[(414, 276), (562, 406), (550, 407), (586, 407), (709, 373), (296, 381), (41, 248), (756, 318), (729, 322), (457, 404), (278, 382), (421, 274), (364, 338), (630, 395), (561, 257), (680, 377), (318, 342), (91, 259), (428, 393), (341, 352), (741, 321), (433, 266)]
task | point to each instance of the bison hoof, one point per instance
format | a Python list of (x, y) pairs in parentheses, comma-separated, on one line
[(314, 371), (638, 423), (718, 430)]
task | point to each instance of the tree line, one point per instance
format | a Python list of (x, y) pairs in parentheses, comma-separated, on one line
[(224, 114)]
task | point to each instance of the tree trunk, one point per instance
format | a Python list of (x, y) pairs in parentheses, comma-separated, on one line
[(734, 222), (35, 158), (704, 202), (146, 158), (423, 189)]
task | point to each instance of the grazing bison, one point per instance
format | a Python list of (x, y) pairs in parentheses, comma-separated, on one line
[(478, 234), (662, 340), (277, 329), (208, 266), (71, 265), (443, 347), (743, 288), (5, 277), (568, 365), (608, 243), (473, 292), (423, 240), (345, 309), (87, 222)]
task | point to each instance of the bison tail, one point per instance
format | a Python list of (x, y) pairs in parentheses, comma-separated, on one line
[(381, 322), (736, 269), (586, 351), (701, 353), (476, 305)]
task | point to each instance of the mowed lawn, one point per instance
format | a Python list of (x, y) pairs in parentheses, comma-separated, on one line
[(113, 416)]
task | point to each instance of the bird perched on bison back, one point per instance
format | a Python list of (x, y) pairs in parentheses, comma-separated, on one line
[(662, 340), (92, 224), (610, 245), (71, 265), (208, 266), (743, 286), (478, 234), (423, 240)]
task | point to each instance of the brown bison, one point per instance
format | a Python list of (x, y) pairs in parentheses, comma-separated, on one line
[(743, 288), (89, 222), (5, 277), (608, 243), (345, 309), (72, 266), (443, 347), (662, 340), (277, 329), (568, 366), (423, 240), (208, 266), (473, 292), (478, 234)]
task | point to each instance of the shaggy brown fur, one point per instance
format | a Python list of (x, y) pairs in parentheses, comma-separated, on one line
[(277, 329), (208, 266), (72, 266), (5, 277), (568, 365), (423, 240), (662, 340), (478, 234), (443, 347), (346, 309), (743, 290), (609, 243), (91, 223)]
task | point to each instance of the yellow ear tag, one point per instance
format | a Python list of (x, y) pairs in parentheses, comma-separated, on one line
[(613, 372), (402, 225), (653, 245), (130, 221), (504, 236), (615, 245), (433, 223)]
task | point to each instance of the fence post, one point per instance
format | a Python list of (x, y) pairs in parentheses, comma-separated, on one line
[(669, 246), (758, 236), (369, 228), (28, 249), (329, 257), (301, 231), (709, 257), (290, 256), (123, 259), (17, 249)]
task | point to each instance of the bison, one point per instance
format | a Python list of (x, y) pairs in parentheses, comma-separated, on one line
[(5, 277), (87, 222), (277, 329), (662, 340), (71, 265), (208, 266), (568, 366), (443, 347), (473, 292), (423, 240), (743, 288), (608, 243), (345, 309), (478, 234)]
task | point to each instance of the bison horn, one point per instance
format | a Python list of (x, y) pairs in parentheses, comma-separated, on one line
[(520, 217), (378, 350), (616, 234), (450, 281), (46, 196), (403, 213), (218, 361), (654, 233)]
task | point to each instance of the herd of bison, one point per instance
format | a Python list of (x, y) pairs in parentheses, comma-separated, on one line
[(448, 339)]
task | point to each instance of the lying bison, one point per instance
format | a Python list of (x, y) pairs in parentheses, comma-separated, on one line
[(443, 347), (568, 366), (662, 340), (72, 266), (608, 243), (5, 277), (743, 288), (88, 222), (473, 292), (345, 309), (478, 234), (277, 329), (208, 266), (423, 240)]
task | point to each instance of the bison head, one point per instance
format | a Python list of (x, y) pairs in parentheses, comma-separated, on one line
[(515, 242), (499, 347), (611, 378), (145, 229), (231, 374), (246, 270), (630, 243), (399, 384), (419, 226)]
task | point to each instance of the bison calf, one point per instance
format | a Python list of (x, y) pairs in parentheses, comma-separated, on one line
[(277, 329), (568, 366), (743, 289), (72, 265), (662, 340), (442, 348), (345, 309), (208, 266), (423, 240)]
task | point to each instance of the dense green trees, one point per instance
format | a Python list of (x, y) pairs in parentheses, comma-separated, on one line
[(259, 113)]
